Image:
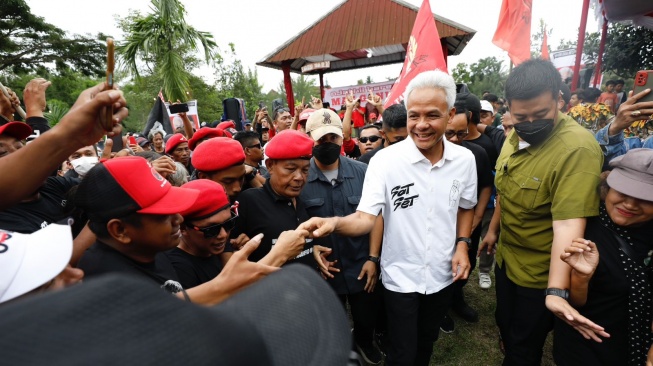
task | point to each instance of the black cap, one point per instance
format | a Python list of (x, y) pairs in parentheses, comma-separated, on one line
[(467, 102), (291, 317)]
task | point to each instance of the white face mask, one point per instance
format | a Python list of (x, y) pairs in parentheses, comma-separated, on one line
[(84, 164)]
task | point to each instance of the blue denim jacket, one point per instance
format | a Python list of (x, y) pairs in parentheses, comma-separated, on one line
[(618, 145), (322, 199)]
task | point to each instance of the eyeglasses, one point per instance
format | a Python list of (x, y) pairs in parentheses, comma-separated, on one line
[(257, 146), (460, 134), (215, 230), (372, 139)]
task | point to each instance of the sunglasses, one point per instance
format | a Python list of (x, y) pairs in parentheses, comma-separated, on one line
[(214, 230), (370, 139), (257, 146), (460, 134)]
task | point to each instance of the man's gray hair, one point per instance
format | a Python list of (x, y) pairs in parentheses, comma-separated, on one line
[(433, 79)]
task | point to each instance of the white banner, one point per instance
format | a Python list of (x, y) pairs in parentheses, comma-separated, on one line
[(336, 96), (191, 114), (564, 61)]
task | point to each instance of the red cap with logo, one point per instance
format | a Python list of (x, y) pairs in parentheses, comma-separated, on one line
[(175, 140), (121, 186)]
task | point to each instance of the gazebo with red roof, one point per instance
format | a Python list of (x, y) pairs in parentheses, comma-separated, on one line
[(358, 34)]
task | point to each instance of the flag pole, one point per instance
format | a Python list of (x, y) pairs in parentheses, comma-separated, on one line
[(580, 44)]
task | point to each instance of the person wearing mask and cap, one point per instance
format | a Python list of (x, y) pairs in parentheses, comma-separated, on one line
[(334, 187), (46, 205), (177, 148), (204, 234), (276, 206)]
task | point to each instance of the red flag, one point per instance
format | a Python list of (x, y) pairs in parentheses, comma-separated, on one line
[(514, 30), (424, 53), (545, 47)]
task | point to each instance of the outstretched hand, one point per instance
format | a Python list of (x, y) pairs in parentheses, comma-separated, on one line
[(319, 227), (563, 310)]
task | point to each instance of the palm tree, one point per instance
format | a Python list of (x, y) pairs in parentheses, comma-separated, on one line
[(164, 42)]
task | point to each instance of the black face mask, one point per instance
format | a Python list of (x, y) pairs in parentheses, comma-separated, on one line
[(326, 153), (534, 132)]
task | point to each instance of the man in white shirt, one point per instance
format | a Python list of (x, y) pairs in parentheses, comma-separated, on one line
[(425, 188)]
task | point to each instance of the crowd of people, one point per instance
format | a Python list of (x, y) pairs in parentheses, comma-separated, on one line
[(391, 207)]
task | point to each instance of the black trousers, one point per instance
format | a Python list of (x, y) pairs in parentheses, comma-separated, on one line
[(363, 308), (523, 320), (413, 325)]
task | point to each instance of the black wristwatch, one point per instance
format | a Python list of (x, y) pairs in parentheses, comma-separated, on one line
[(373, 259), (557, 292), (466, 240)]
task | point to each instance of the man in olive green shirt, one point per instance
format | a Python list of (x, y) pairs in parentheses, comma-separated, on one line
[(546, 179)]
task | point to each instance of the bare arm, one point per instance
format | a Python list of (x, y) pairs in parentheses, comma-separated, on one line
[(357, 224), (188, 125), (564, 232), (479, 210), (83, 241), (492, 235), (460, 263)]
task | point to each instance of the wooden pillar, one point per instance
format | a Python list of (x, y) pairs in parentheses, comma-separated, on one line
[(445, 51), (287, 83), (580, 44), (321, 85)]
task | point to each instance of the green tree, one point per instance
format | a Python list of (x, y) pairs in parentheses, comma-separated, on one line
[(538, 38), (28, 43), (302, 87), (164, 42), (628, 49), (590, 47), (233, 81), (487, 74)]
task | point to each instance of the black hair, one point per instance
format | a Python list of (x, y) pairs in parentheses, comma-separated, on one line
[(246, 138), (395, 117), (532, 78), (100, 228), (148, 155), (491, 98), (566, 93), (619, 82), (590, 95), (610, 82), (370, 126)]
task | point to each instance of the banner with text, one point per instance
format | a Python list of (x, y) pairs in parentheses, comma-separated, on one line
[(336, 96)]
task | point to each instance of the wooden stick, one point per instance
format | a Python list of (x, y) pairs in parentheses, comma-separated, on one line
[(19, 109)]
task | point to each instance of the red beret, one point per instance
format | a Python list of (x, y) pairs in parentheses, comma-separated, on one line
[(289, 144), (227, 124), (175, 140), (218, 154), (213, 199), (17, 130), (204, 132)]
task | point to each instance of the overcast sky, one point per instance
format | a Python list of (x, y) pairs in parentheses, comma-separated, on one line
[(258, 27)]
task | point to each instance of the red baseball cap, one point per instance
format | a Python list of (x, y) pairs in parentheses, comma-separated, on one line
[(218, 154), (306, 113), (288, 145), (205, 133), (121, 186), (18, 130), (372, 115), (175, 140), (214, 199)]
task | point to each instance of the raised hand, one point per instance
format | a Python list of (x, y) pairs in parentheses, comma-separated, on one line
[(350, 102), (582, 255), (316, 103), (34, 96)]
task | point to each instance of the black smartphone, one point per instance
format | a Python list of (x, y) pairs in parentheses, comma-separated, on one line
[(643, 81), (178, 108), (117, 143)]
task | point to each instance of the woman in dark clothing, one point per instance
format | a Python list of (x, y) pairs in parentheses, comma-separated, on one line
[(613, 288)]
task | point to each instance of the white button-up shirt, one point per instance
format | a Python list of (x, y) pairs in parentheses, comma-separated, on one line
[(419, 202)]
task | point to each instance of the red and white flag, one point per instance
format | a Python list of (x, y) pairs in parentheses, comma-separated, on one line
[(513, 32), (424, 53)]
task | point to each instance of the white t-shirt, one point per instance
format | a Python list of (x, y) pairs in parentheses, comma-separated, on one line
[(419, 202)]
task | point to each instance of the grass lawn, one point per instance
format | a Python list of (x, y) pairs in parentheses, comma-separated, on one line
[(476, 344)]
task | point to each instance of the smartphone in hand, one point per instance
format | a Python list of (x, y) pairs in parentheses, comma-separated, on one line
[(643, 81)]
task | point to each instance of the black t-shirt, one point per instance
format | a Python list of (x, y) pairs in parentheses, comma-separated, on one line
[(101, 259), (487, 144), (365, 158), (49, 207), (483, 169), (261, 210), (191, 270), (498, 136), (607, 302)]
